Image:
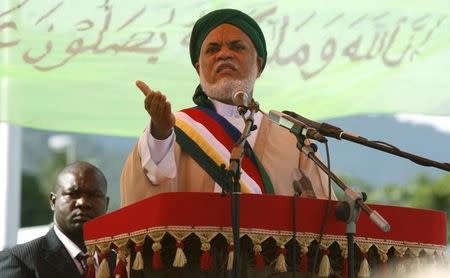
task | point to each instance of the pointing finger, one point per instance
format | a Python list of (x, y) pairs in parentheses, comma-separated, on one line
[(143, 87)]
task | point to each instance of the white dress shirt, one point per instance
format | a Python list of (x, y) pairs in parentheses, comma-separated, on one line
[(70, 246)]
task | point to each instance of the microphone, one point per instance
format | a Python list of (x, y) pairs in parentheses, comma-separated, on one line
[(324, 128), (242, 100), (296, 126)]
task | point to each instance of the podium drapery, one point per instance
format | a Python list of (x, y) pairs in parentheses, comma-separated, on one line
[(266, 222)]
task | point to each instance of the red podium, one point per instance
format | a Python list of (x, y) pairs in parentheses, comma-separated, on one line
[(192, 231)]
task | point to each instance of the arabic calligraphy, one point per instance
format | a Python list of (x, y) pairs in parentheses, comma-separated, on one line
[(311, 42), (139, 42), (373, 40)]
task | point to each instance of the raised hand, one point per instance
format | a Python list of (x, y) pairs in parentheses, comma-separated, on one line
[(159, 109)]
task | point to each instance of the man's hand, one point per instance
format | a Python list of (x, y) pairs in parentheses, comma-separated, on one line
[(159, 109)]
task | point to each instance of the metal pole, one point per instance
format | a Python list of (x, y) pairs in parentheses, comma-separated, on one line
[(10, 184)]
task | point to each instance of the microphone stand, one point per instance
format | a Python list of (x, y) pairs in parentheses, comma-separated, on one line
[(348, 210), (233, 175), (336, 132)]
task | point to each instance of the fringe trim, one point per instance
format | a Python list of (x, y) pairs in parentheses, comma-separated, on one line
[(91, 267), (138, 263), (400, 269), (364, 268), (344, 255), (205, 259), (280, 264), (120, 271), (180, 258), (259, 258), (304, 259), (156, 259), (324, 267), (103, 268), (230, 250)]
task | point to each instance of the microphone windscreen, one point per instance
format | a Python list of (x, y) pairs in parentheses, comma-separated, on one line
[(275, 116), (304, 120), (240, 98)]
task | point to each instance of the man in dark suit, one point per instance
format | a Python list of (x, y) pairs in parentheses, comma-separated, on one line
[(79, 196)]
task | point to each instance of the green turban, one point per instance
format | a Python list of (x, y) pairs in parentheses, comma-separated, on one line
[(234, 17)]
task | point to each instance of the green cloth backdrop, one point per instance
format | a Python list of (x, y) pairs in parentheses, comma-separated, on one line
[(71, 65)]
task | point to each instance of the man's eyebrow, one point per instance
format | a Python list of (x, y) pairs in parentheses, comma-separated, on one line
[(70, 189), (213, 44), (235, 41)]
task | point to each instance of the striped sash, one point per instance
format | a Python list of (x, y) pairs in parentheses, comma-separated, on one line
[(208, 138)]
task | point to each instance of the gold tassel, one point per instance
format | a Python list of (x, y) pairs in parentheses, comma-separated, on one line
[(304, 258), (280, 264), (415, 264), (444, 260), (383, 257), (103, 268), (121, 263), (90, 261), (156, 246), (383, 268), (138, 263), (364, 268), (205, 257), (400, 266), (128, 260), (400, 270), (434, 259), (156, 260), (324, 267), (230, 256), (259, 258), (180, 258), (257, 248), (344, 254)]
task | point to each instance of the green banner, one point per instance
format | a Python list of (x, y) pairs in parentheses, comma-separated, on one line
[(71, 65)]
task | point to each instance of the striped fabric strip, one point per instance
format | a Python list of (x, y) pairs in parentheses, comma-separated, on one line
[(226, 134), (250, 159), (210, 157), (211, 142), (221, 135), (235, 134)]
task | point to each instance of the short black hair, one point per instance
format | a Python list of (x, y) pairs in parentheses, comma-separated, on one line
[(85, 167)]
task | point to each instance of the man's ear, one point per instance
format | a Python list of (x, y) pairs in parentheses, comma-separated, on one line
[(197, 67), (107, 203), (259, 62), (52, 200)]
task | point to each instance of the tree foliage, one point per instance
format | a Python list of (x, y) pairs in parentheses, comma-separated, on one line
[(423, 192), (35, 203)]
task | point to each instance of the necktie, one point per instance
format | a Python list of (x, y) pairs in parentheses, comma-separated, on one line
[(82, 258)]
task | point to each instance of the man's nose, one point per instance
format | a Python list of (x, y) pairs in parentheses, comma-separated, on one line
[(225, 53), (82, 201)]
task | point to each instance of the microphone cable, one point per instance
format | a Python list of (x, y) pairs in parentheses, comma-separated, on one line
[(327, 210), (294, 232)]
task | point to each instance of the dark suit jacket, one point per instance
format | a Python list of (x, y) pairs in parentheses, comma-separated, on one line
[(43, 257)]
